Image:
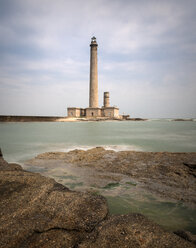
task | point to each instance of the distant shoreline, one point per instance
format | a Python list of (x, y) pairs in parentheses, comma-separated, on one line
[(15, 118), (21, 118)]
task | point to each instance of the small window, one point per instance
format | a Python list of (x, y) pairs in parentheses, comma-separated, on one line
[(71, 113), (92, 113)]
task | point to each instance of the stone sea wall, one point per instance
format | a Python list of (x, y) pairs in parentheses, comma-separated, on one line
[(15, 118)]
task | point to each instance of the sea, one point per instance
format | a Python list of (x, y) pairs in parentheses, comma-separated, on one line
[(23, 141)]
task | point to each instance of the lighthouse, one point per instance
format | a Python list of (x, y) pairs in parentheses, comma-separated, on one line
[(94, 111), (93, 89)]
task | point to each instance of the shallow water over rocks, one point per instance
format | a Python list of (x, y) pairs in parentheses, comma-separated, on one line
[(143, 183)]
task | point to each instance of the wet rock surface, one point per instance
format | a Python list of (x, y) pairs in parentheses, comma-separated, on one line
[(38, 212), (132, 230), (35, 208), (186, 235), (170, 175)]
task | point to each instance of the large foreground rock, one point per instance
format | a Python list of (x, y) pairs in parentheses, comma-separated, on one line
[(38, 212), (133, 230)]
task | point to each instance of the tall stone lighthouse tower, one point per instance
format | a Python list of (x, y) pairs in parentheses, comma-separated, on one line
[(93, 111), (93, 91)]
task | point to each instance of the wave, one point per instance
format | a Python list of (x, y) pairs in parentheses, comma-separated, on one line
[(21, 157), (115, 148)]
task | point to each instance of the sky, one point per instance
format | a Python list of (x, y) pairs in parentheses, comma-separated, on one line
[(146, 56)]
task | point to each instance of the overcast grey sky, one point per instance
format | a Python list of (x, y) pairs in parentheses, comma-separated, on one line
[(146, 55)]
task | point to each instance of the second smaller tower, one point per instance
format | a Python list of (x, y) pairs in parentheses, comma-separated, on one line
[(106, 99)]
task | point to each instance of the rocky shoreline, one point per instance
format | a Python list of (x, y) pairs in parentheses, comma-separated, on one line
[(191, 119), (170, 175), (38, 212)]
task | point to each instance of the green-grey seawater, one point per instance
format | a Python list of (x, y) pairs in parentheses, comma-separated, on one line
[(21, 141)]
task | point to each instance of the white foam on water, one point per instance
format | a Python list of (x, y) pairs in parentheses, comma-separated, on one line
[(71, 148), (119, 148), (115, 148), (38, 149)]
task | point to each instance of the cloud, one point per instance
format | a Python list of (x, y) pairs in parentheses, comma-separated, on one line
[(146, 53)]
